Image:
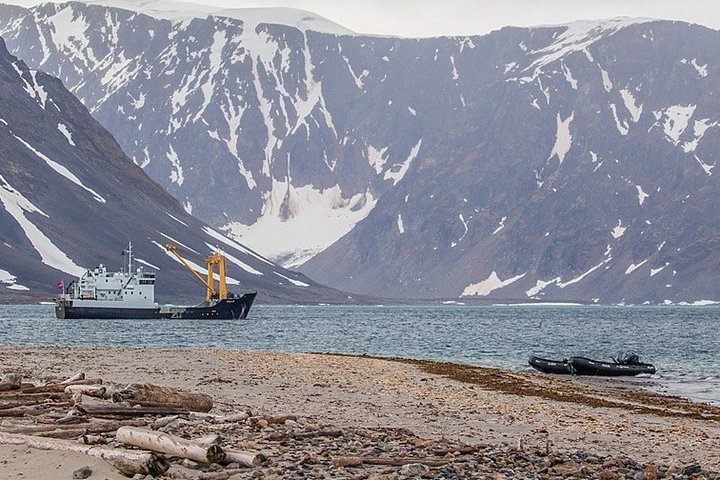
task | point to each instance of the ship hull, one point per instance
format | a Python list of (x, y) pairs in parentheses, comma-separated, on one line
[(69, 312), (229, 309)]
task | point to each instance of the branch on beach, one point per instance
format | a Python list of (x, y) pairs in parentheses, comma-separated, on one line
[(128, 462), (121, 411), (72, 431), (51, 387), (170, 444), (149, 395)]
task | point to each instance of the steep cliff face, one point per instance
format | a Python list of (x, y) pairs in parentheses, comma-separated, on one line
[(70, 199), (572, 162)]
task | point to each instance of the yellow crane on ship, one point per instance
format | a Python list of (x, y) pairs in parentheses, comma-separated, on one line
[(216, 259)]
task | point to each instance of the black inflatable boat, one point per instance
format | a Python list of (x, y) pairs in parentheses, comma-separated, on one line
[(586, 366), (549, 366)]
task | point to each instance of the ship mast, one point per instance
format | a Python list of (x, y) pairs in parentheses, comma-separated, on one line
[(129, 255)]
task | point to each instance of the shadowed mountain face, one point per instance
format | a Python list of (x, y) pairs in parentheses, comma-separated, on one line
[(567, 163), (70, 199)]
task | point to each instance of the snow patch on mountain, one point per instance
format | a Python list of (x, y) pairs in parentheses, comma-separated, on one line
[(398, 170), (377, 158), (10, 281), (489, 285), (540, 286), (579, 35), (699, 129), (634, 267), (622, 127), (563, 138), (17, 206), (630, 103), (619, 230), (655, 271), (401, 227), (176, 175), (299, 222), (292, 280), (62, 170), (66, 133), (34, 89), (700, 69), (183, 12), (676, 121)]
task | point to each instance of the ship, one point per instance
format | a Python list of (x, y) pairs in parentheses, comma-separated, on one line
[(130, 294)]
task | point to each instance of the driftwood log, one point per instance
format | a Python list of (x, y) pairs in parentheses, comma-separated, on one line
[(246, 459), (128, 462), (120, 411), (97, 391), (96, 426), (11, 381), (74, 378), (170, 444), (58, 387), (149, 395), (28, 410)]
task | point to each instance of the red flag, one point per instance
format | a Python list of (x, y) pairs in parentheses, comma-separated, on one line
[(60, 285)]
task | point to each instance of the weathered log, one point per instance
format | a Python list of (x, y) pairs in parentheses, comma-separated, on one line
[(74, 378), (60, 387), (30, 410), (170, 444), (149, 395), (101, 426), (97, 391), (11, 381), (21, 402), (246, 459), (128, 462), (393, 462), (164, 422), (20, 395), (121, 411), (209, 440)]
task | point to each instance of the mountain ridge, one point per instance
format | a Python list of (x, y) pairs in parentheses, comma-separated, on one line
[(371, 134)]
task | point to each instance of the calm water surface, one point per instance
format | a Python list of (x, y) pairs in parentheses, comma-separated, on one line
[(682, 342)]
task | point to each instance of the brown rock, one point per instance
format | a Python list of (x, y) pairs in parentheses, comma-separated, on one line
[(650, 472), (608, 475)]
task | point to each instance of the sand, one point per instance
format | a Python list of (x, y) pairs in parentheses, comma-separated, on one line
[(431, 400)]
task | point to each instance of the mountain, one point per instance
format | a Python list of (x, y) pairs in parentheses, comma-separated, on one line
[(70, 198), (571, 162)]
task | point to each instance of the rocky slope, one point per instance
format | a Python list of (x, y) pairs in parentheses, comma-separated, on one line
[(70, 198), (566, 163)]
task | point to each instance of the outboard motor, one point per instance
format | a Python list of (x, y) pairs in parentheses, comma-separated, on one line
[(627, 358)]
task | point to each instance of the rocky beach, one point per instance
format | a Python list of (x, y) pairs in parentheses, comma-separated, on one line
[(335, 416)]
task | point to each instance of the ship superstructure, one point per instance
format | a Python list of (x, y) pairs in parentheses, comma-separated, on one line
[(99, 293)]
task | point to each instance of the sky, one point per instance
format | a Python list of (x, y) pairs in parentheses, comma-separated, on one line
[(425, 18)]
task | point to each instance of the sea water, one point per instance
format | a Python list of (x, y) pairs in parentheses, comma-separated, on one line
[(682, 342)]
